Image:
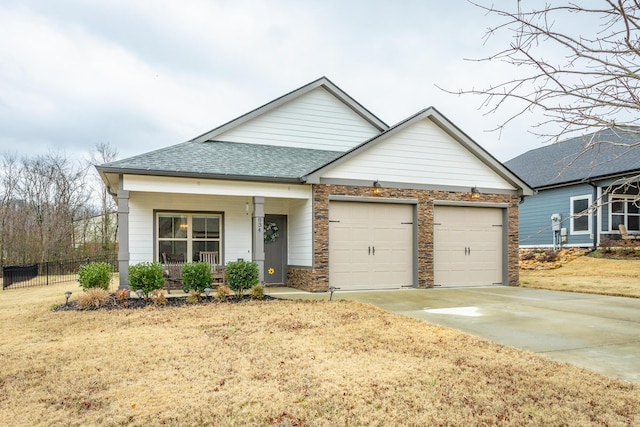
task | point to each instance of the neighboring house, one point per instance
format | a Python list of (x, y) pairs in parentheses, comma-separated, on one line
[(588, 183), (319, 191)]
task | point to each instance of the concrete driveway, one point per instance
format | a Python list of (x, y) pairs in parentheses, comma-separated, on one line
[(596, 332)]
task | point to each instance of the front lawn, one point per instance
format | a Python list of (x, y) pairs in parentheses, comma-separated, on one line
[(287, 363), (588, 274)]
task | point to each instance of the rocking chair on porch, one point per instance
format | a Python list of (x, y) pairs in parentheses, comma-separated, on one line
[(626, 236), (173, 270), (217, 270)]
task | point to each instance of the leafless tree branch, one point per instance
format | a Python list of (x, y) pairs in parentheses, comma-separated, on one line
[(580, 64)]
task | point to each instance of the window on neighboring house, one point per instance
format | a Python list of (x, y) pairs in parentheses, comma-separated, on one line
[(182, 236), (580, 215), (624, 210)]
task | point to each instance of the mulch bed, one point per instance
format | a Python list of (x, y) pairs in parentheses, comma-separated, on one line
[(137, 303)]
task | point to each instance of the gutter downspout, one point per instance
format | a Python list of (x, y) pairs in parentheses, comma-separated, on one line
[(595, 215)]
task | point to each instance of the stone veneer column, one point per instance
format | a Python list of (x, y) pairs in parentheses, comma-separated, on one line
[(123, 237), (258, 235)]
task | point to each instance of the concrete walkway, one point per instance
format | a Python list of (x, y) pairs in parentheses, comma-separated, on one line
[(596, 332)]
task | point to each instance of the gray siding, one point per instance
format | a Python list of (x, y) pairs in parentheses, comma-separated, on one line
[(536, 211)]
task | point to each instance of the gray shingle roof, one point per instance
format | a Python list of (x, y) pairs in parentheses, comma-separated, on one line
[(601, 154), (226, 159)]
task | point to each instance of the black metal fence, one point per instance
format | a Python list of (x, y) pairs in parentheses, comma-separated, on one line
[(49, 273)]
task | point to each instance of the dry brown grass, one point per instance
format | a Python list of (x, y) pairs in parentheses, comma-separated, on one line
[(278, 363), (588, 275)]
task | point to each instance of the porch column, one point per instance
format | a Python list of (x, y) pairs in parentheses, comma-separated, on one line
[(258, 235), (123, 238)]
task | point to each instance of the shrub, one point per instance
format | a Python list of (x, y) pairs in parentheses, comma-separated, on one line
[(122, 296), (95, 275), (147, 276), (257, 292), (606, 245), (548, 256), (193, 297), (242, 275), (196, 276), (528, 255), (222, 292), (158, 297), (93, 299)]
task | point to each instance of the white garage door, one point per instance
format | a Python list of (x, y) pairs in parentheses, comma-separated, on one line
[(370, 245), (468, 246)]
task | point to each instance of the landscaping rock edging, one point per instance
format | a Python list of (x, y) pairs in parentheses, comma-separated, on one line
[(548, 259)]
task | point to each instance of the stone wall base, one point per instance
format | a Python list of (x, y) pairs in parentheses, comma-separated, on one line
[(305, 279)]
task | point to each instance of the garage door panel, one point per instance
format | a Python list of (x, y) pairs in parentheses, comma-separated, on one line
[(468, 246), (380, 239)]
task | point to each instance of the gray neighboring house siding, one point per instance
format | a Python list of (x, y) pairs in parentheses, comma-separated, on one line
[(600, 166), (536, 211)]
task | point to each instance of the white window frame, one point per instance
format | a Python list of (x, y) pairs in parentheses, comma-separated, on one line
[(625, 198), (573, 215), (189, 239)]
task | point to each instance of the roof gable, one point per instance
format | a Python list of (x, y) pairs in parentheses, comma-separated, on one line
[(318, 115), (424, 149), (606, 153)]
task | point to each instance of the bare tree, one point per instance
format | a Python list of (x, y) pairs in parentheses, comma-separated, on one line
[(52, 192), (9, 178), (41, 198), (70, 199), (107, 225), (576, 63)]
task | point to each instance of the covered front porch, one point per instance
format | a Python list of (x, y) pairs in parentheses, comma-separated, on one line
[(618, 209), (177, 220)]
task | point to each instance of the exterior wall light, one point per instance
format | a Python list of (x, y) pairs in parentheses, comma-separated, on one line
[(475, 193), (376, 188)]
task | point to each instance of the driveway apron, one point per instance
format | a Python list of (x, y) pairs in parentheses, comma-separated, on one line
[(599, 333)]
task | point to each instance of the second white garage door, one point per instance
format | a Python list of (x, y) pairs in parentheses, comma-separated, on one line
[(468, 246), (370, 245)]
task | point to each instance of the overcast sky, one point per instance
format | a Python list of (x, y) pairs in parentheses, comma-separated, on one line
[(143, 75)]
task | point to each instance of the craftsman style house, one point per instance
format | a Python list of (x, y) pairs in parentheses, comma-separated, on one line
[(320, 192)]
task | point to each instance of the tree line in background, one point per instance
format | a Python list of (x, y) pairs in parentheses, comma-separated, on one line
[(54, 208)]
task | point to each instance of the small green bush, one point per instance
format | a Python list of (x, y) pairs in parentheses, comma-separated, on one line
[(95, 275), (147, 276), (196, 276), (242, 275)]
